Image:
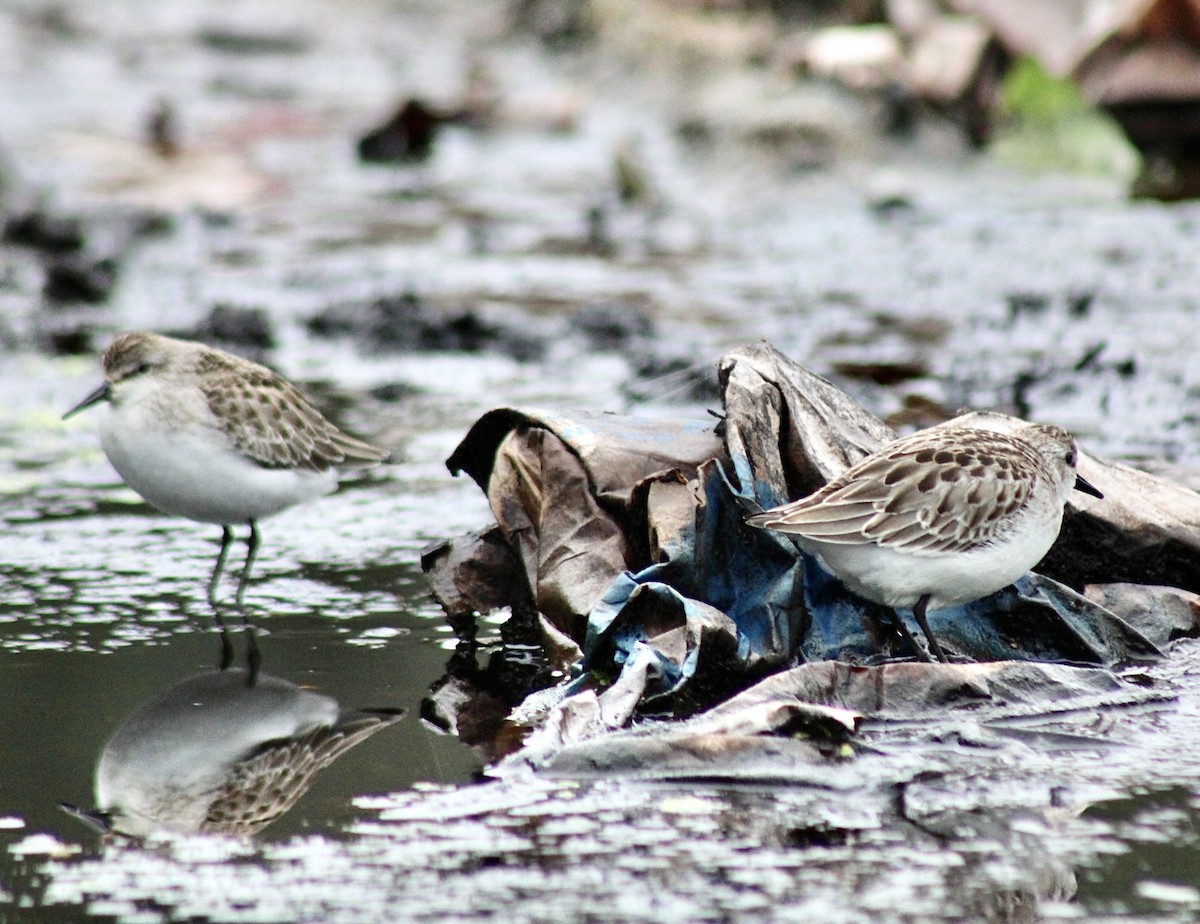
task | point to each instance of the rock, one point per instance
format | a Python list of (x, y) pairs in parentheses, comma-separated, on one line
[(76, 278), (406, 137), (955, 63), (862, 57), (407, 322), (44, 231), (75, 338), (230, 325), (611, 326)]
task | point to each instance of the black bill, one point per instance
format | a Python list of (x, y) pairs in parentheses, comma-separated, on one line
[(98, 821), (100, 394), (1082, 484)]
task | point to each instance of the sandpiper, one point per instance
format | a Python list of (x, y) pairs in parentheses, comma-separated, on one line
[(216, 753), (939, 518), (203, 434)]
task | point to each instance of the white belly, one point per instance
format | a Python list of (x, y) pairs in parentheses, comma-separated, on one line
[(191, 474), (900, 579)]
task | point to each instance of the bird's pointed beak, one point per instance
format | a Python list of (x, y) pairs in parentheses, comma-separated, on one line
[(98, 821), (100, 394), (1082, 484)]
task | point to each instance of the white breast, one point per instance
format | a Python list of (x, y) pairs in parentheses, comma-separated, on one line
[(901, 578), (191, 471)]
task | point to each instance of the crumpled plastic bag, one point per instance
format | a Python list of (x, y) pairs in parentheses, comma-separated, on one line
[(801, 724), (629, 535)]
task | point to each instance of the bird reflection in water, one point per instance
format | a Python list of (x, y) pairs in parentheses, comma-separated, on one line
[(221, 752)]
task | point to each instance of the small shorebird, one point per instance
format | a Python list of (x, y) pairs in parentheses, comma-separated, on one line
[(206, 435), (939, 518), (216, 753)]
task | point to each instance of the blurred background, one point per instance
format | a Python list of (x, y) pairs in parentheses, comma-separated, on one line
[(421, 210)]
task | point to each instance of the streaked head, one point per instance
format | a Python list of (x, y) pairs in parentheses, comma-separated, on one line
[(131, 356), (1061, 454)]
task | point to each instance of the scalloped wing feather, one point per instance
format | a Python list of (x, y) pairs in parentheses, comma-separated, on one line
[(267, 419), (272, 777), (906, 499)]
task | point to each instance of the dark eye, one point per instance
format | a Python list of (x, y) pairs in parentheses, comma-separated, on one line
[(1071, 458), (142, 369)]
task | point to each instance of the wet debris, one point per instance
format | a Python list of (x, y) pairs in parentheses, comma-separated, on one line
[(481, 686), (630, 538), (1175, 613), (463, 576)]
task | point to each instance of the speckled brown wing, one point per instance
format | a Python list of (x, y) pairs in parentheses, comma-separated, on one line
[(270, 780), (955, 491), (269, 421)]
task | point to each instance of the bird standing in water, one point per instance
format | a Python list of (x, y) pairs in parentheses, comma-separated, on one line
[(203, 434)]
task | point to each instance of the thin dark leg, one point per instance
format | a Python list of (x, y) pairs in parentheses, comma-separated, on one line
[(226, 643), (922, 655), (214, 581), (252, 544), (919, 615), (226, 541), (253, 656)]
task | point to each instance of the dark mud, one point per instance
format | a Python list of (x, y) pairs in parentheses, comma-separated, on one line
[(596, 244)]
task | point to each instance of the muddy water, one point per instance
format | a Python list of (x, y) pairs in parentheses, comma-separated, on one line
[(916, 276)]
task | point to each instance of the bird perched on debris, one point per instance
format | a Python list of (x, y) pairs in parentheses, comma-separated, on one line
[(939, 518), (203, 434)]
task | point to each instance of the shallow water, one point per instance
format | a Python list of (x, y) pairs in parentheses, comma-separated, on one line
[(985, 288)]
